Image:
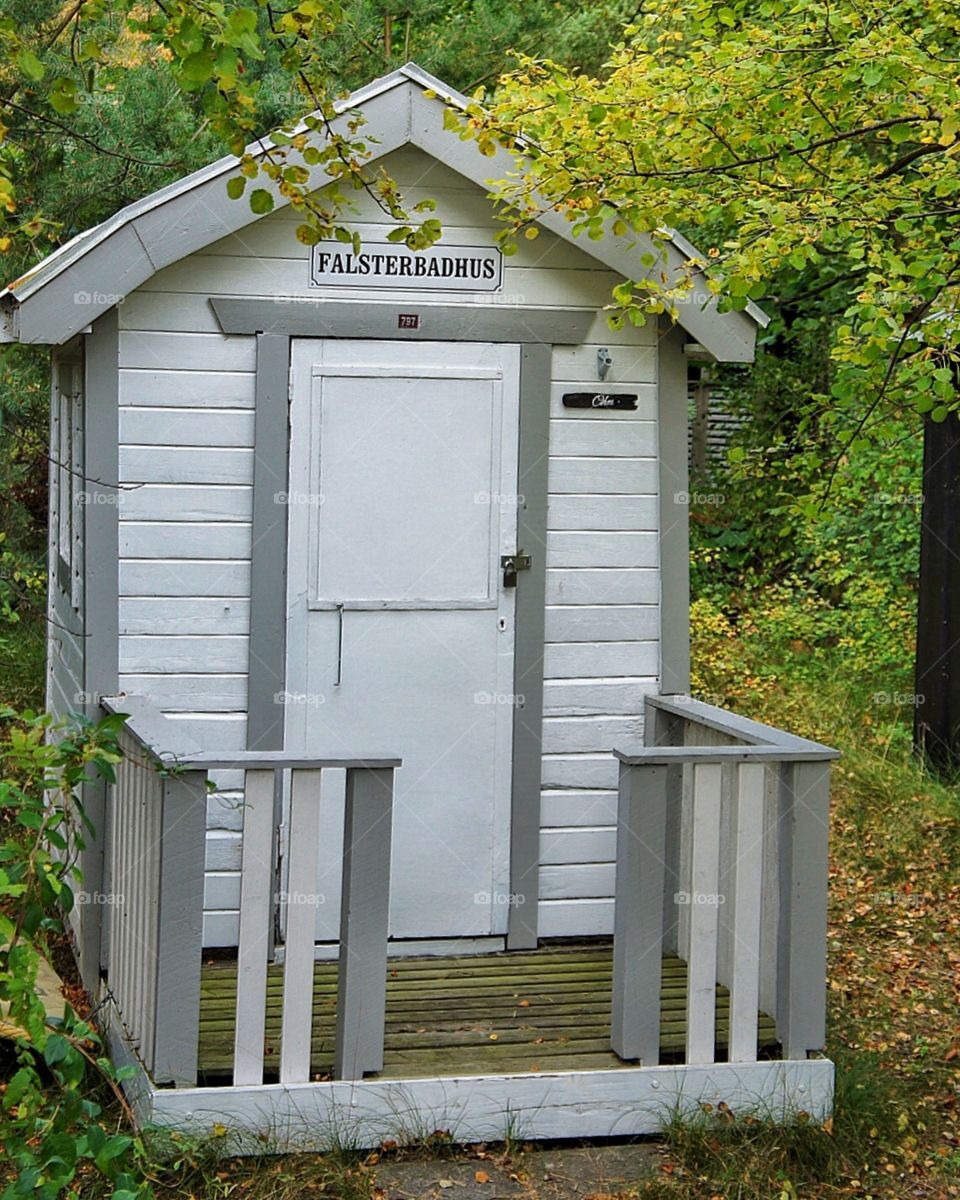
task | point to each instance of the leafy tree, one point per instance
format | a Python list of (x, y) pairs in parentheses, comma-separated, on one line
[(815, 143)]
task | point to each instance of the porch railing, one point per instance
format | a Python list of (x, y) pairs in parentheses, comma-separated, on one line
[(721, 859), (156, 823)]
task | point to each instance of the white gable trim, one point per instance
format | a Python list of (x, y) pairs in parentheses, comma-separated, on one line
[(90, 274)]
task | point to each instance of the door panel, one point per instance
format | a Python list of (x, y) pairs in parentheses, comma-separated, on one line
[(401, 465), (400, 635)]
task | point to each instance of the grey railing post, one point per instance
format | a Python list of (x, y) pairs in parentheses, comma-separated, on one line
[(180, 929), (364, 922), (802, 951), (638, 913), (662, 728)]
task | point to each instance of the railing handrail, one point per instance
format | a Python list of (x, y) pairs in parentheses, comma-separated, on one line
[(733, 725), (652, 756), (172, 747), (269, 760)]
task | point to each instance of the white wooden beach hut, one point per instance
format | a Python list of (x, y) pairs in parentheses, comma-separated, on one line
[(391, 553)]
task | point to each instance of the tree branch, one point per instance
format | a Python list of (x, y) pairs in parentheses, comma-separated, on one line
[(82, 137)]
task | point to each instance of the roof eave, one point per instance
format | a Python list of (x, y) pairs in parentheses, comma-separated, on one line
[(189, 214)]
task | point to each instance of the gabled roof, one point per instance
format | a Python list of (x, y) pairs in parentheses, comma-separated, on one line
[(85, 277)]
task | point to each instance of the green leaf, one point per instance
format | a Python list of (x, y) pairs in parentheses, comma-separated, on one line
[(900, 133), (63, 96), (30, 65), (235, 187), (261, 201), (56, 1050), (196, 69), (241, 21)]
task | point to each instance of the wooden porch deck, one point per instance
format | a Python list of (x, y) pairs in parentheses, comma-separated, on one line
[(543, 1010)]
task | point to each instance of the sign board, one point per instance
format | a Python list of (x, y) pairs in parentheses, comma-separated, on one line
[(600, 400), (381, 264)]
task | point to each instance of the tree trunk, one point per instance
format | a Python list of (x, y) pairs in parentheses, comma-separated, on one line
[(937, 720)]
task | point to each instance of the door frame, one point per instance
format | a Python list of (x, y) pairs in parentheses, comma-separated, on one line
[(267, 662), (318, 365)]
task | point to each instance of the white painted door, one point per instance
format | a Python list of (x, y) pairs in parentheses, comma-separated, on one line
[(402, 499)]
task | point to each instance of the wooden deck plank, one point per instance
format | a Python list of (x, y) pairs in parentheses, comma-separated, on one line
[(521, 1011)]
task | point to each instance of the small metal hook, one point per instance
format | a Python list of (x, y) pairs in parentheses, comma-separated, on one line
[(336, 682)]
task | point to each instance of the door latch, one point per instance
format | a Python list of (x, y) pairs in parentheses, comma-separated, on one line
[(512, 563)]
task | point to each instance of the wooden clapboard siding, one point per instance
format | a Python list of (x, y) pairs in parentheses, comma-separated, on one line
[(596, 697), (601, 512), (196, 654), (185, 350), (602, 622), (179, 692), (201, 465), (186, 399), (189, 502), (185, 507), (169, 539), (586, 733), (176, 425), (190, 389), (184, 615), (569, 807), (184, 577)]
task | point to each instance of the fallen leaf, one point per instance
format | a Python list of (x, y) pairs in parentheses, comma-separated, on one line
[(481, 1177)]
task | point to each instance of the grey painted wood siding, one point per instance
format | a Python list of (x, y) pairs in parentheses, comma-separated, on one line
[(186, 418)]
